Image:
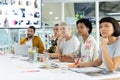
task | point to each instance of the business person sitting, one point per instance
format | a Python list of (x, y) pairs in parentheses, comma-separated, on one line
[(109, 52), (54, 38), (67, 44), (88, 48), (31, 40)]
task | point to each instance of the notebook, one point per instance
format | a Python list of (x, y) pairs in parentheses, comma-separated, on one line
[(86, 69), (21, 50)]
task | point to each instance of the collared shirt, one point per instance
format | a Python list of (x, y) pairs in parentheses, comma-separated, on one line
[(88, 49)]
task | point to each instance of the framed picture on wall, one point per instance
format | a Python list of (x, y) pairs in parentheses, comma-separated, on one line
[(20, 13)]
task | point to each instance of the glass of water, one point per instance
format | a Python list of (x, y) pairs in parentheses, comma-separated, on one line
[(64, 68), (33, 53)]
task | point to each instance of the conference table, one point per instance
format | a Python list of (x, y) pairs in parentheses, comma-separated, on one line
[(14, 67)]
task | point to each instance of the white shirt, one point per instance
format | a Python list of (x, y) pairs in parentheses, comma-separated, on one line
[(70, 46), (29, 43)]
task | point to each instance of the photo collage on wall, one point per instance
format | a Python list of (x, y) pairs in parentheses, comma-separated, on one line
[(20, 13)]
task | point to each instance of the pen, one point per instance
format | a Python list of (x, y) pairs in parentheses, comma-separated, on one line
[(77, 61), (31, 71)]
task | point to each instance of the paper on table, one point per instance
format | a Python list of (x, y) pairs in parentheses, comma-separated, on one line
[(86, 69), (49, 66)]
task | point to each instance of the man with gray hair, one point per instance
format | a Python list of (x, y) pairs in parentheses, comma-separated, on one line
[(66, 45)]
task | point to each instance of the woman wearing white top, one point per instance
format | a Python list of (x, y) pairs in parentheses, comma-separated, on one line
[(110, 46), (67, 44)]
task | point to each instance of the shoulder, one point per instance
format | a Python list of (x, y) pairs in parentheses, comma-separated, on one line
[(36, 37), (118, 40), (74, 38), (23, 39), (117, 43), (92, 38)]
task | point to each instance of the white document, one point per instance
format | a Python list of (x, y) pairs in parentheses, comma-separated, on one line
[(21, 50), (86, 69)]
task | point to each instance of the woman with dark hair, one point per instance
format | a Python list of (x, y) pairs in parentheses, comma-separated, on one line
[(109, 52), (88, 48)]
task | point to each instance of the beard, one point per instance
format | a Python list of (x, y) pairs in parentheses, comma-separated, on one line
[(29, 35)]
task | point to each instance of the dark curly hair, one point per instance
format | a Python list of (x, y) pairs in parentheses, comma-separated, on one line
[(86, 22)]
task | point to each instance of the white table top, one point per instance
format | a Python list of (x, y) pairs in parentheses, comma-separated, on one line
[(18, 69)]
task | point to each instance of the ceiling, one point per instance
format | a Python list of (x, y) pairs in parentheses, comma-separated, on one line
[(88, 9), (56, 9)]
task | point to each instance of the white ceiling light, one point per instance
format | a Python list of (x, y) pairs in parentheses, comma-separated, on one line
[(42, 4), (56, 18), (113, 13), (50, 12)]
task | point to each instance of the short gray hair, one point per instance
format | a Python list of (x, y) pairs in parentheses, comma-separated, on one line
[(65, 24)]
